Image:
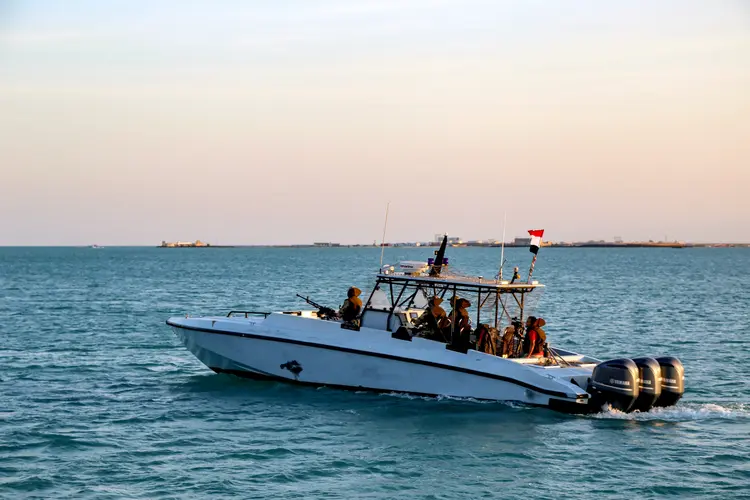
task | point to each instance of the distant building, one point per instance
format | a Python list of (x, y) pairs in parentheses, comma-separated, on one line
[(184, 244), (326, 244), (522, 242)]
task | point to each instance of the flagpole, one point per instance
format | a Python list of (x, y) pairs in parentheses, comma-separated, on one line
[(382, 241), (502, 248), (531, 269), (535, 234)]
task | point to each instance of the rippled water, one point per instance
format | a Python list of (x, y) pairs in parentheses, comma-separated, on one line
[(99, 400)]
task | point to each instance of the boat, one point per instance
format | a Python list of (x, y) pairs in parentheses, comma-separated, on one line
[(384, 351)]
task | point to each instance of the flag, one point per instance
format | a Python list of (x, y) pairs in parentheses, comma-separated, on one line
[(536, 240)]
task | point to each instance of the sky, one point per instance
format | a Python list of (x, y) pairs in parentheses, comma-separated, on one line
[(249, 122)]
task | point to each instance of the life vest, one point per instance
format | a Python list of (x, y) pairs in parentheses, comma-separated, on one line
[(460, 328), (541, 338), (508, 345), (433, 320), (460, 317), (351, 308), (433, 316), (486, 339)]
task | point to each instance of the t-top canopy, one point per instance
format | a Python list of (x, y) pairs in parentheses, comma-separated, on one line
[(492, 301), (459, 283)]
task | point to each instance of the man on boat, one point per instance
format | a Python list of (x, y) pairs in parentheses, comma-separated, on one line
[(433, 320), (351, 307), (460, 322), (516, 275), (511, 338), (486, 339), (533, 342)]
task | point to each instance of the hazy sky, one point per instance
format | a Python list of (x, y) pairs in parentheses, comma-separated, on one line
[(130, 122)]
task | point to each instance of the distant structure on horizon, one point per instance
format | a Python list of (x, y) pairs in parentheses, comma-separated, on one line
[(621, 244), (183, 244), (452, 240)]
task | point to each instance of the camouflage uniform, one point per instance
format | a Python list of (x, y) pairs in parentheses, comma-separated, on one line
[(433, 318)]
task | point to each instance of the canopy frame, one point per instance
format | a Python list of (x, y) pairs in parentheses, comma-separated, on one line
[(403, 289)]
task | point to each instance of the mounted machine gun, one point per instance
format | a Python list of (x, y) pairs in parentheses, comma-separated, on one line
[(323, 311)]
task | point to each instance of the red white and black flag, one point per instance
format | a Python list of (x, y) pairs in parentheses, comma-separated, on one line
[(536, 240)]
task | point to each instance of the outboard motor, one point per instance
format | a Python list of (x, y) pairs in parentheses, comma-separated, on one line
[(672, 381), (649, 383), (614, 382)]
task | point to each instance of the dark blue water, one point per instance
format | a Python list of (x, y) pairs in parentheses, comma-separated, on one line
[(99, 400)]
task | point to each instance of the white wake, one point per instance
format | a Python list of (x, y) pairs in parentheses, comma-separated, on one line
[(680, 413)]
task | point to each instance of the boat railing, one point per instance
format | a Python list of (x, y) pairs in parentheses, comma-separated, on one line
[(249, 313)]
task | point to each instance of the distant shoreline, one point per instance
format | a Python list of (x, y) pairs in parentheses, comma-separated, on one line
[(195, 246), (400, 245), (555, 245)]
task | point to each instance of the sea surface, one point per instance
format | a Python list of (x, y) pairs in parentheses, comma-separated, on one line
[(98, 399)]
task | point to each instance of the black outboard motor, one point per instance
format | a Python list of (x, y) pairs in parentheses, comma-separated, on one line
[(649, 384), (672, 381), (614, 382)]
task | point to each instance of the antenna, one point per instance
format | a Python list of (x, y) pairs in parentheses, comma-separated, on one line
[(382, 242), (502, 248)]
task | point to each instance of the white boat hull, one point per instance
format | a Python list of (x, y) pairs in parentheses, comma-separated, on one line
[(311, 351)]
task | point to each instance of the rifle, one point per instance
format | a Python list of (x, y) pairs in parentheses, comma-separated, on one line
[(323, 311)]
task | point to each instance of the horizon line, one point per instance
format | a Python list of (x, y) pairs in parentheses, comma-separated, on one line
[(554, 244)]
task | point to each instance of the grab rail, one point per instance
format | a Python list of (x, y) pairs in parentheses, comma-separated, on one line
[(256, 313)]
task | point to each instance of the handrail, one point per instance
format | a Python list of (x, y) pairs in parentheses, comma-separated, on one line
[(256, 313)]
